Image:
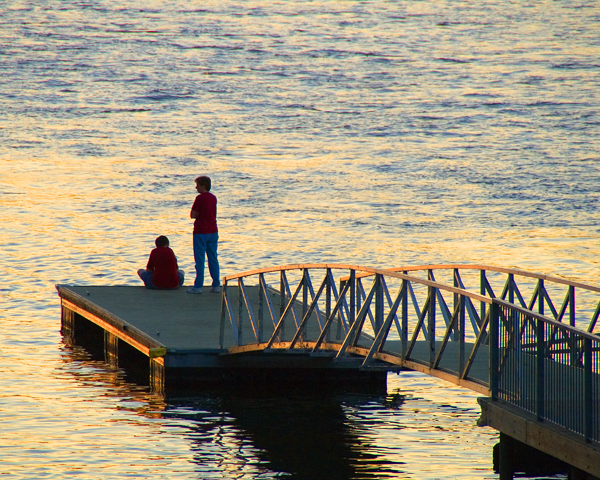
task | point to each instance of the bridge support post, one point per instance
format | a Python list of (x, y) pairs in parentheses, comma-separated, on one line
[(505, 457), (68, 325), (515, 456), (157, 376), (111, 349)]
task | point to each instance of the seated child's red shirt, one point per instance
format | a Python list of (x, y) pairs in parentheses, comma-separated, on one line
[(163, 263)]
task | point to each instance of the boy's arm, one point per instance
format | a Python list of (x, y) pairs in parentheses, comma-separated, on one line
[(196, 207), (150, 265), (175, 258)]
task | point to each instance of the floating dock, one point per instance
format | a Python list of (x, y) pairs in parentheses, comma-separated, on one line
[(170, 340)]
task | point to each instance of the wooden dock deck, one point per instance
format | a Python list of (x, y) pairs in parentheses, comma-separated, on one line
[(171, 319), (172, 339)]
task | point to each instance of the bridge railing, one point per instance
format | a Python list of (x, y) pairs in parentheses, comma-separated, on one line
[(546, 367), (390, 317), (565, 300), (493, 344)]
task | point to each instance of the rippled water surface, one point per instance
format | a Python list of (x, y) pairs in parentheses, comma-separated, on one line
[(379, 133)]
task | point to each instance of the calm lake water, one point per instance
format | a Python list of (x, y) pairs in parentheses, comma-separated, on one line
[(377, 133)]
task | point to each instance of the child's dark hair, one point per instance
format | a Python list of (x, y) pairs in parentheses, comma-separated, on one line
[(204, 181), (162, 241)]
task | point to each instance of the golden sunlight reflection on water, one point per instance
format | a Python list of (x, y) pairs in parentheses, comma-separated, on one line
[(101, 219)]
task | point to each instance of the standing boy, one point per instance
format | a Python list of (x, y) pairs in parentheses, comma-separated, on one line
[(206, 236), (162, 271)]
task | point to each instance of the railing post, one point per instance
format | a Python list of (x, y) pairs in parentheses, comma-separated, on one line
[(261, 299), (573, 345), (455, 301), (588, 410), (457, 285), (541, 296), (404, 332), (304, 299), (352, 302), (515, 334), (222, 324), (282, 302), (572, 305), (540, 357), (358, 298), (304, 292), (378, 303), (328, 300), (461, 334), (482, 291), (431, 325), (240, 311), (494, 331)]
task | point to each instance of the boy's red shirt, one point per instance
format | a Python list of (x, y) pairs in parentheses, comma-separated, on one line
[(206, 206), (163, 263)]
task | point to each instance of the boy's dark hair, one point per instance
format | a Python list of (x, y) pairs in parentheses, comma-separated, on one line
[(162, 241), (204, 181)]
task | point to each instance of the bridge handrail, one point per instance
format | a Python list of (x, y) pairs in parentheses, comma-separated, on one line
[(550, 321), (491, 268), (358, 305), (548, 368), (508, 340), (368, 271), (511, 289)]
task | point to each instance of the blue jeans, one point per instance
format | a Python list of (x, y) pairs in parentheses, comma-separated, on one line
[(147, 275), (206, 244)]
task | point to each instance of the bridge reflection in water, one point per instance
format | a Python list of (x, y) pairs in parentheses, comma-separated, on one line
[(542, 368)]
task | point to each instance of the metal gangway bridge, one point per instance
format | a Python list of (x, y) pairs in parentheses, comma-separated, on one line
[(527, 341)]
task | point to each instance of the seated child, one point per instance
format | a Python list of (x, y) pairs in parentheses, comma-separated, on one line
[(162, 271)]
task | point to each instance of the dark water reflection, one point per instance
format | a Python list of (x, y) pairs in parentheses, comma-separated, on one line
[(419, 429), (299, 434), (308, 436)]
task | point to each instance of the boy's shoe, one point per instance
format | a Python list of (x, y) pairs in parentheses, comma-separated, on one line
[(215, 290), (194, 290)]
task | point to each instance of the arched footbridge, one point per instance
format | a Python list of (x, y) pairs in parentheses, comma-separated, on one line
[(521, 337)]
